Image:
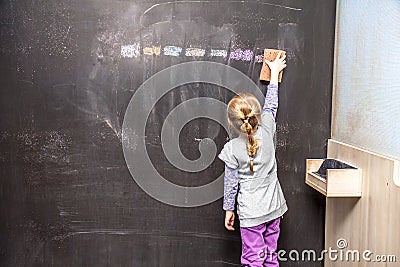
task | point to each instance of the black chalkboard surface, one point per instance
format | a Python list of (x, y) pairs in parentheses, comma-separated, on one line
[(68, 71)]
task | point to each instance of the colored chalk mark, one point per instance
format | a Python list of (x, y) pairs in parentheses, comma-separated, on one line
[(130, 51), (173, 51), (154, 50), (243, 55)]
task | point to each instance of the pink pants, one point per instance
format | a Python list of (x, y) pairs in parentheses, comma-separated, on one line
[(259, 244)]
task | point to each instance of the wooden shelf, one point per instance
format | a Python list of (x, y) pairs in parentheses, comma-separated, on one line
[(338, 182)]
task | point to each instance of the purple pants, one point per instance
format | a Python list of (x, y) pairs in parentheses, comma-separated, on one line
[(259, 244)]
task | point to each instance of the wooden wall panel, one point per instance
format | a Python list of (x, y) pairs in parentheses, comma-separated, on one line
[(370, 222)]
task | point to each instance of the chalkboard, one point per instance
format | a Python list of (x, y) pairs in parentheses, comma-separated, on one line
[(68, 72)]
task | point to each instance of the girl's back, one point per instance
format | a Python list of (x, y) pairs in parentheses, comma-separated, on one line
[(260, 197)]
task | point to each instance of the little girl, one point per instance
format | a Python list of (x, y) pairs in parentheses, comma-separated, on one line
[(251, 172)]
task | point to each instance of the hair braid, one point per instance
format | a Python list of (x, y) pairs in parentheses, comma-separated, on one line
[(243, 111)]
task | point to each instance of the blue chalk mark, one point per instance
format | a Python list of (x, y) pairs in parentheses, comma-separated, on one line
[(171, 50)]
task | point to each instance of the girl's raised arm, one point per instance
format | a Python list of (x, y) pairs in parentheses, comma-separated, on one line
[(271, 98)]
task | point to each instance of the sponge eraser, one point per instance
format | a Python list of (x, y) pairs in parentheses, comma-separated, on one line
[(270, 55)]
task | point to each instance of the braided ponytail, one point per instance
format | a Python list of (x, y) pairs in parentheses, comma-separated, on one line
[(243, 111)]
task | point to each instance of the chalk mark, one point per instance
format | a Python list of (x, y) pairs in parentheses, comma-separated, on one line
[(230, 1)]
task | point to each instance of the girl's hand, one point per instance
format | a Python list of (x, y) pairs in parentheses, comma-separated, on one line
[(229, 220), (278, 64)]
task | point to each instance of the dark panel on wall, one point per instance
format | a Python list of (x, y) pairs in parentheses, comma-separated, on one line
[(68, 71)]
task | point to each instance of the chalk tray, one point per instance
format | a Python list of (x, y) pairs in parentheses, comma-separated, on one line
[(333, 178)]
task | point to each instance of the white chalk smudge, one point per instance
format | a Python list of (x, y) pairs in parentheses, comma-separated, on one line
[(130, 51), (259, 58), (173, 51), (218, 53), (195, 52), (109, 123), (227, 1)]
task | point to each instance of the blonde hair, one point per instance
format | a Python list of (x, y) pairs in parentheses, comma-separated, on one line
[(244, 114)]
